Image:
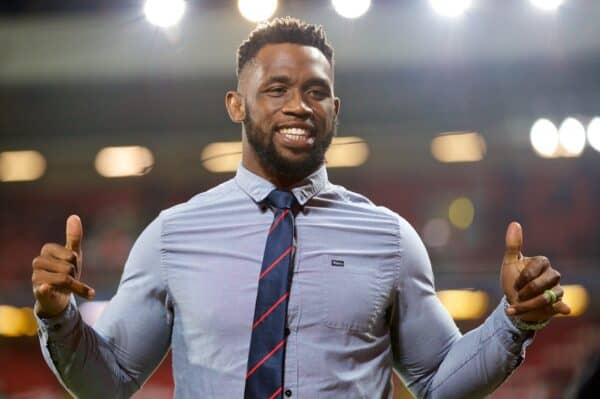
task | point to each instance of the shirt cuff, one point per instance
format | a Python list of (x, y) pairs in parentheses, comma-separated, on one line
[(512, 338), (57, 327)]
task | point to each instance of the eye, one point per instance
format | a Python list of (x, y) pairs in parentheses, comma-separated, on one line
[(277, 91), (318, 93)]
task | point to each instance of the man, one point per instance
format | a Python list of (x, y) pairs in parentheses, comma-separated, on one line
[(278, 283)]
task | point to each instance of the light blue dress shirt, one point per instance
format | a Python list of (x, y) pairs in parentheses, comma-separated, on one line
[(362, 301)]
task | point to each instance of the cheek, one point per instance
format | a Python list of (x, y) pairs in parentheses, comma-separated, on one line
[(265, 112), (327, 113)]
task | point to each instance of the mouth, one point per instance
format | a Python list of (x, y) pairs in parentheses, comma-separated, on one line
[(298, 136)]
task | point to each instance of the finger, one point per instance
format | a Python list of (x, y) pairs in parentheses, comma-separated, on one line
[(534, 267), (74, 232), (513, 242), (44, 282), (562, 308), (545, 281), (545, 312), (538, 302), (53, 265), (58, 251)]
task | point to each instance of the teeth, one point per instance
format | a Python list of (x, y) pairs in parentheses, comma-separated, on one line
[(297, 134), (294, 131)]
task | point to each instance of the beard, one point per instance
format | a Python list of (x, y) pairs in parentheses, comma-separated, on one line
[(278, 165)]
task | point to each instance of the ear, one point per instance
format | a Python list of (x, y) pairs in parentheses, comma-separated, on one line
[(235, 106), (336, 105)]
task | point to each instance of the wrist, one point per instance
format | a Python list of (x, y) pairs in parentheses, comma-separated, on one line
[(45, 313)]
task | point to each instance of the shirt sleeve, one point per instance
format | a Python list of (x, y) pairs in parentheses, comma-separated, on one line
[(116, 356), (433, 358)]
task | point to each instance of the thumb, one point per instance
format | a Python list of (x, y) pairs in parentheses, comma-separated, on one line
[(74, 233), (514, 242)]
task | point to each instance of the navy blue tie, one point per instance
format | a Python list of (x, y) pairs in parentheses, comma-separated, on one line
[(264, 377)]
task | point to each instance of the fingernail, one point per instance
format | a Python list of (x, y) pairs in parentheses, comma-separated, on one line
[(511, 311)]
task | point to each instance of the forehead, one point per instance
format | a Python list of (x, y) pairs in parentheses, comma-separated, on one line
[(294, 60)]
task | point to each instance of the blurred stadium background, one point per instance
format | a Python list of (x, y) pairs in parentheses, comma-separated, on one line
[(460, 115)]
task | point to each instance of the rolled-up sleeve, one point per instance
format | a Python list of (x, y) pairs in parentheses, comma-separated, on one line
[(116, 356), (433, 358)]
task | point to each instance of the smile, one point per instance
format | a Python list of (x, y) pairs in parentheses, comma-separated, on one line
[(297, 135)]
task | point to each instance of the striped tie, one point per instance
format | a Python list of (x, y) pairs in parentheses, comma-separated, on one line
[(264, 379)]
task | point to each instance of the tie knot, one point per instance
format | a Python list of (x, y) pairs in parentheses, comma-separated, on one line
[(281, 199)]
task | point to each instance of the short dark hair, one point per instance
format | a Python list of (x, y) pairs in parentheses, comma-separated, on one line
[(283, 30)]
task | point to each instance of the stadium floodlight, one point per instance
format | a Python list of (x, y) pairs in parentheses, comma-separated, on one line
[(351, 8), (548, 5), (124, 161), (571, 136), (461, 146), (450, 8), (593, 133), (436, 233), (164, 13), (544, 138), (21, 165), (257, 10)]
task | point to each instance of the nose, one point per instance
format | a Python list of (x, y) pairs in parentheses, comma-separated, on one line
[(295, 105)]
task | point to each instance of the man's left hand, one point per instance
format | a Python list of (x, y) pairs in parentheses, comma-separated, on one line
[(525, 280)]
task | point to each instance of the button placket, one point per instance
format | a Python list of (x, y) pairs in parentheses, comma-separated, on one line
[(291, 362)]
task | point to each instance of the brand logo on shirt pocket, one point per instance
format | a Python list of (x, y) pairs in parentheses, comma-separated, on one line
[(352, 288)]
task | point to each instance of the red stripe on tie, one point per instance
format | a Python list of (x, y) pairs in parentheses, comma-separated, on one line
[(264, 359), (272, 308), (276, 222), (277, 392), (272, 265)]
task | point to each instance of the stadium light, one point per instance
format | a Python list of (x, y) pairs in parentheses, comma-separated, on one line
[(461, 212), (347, 152), (436, 233), (593, 133), (222, 156), (124, 161), (16, 322), (257, 10), (571, 136), (544, 138), (464, 304), (577, 297), (351, 8), (164, 13), (21, 166), (458, 147), (450, 8), (548, 5)]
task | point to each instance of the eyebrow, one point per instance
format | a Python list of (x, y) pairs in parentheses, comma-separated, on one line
[(314, 81), (278, 79), (317, 82)]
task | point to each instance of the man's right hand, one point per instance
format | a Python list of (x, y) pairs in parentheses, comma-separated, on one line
[(56, 272)]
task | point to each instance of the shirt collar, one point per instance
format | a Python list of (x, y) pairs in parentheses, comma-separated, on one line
[(259, 188)]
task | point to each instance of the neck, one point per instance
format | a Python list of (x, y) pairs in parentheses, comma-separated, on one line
[(278, 181)]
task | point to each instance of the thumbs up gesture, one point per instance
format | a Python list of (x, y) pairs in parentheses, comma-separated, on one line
[(527, 280), (57, 270)]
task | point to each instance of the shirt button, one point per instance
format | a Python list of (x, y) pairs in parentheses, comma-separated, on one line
[(288, 392), (287, 332)]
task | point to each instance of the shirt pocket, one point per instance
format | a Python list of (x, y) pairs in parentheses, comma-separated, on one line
[(352, 292)]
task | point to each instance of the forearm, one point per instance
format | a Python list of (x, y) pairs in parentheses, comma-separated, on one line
[(479, 361), (86, 364)]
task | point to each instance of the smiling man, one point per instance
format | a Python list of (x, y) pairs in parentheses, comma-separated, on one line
[(278, 283)]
